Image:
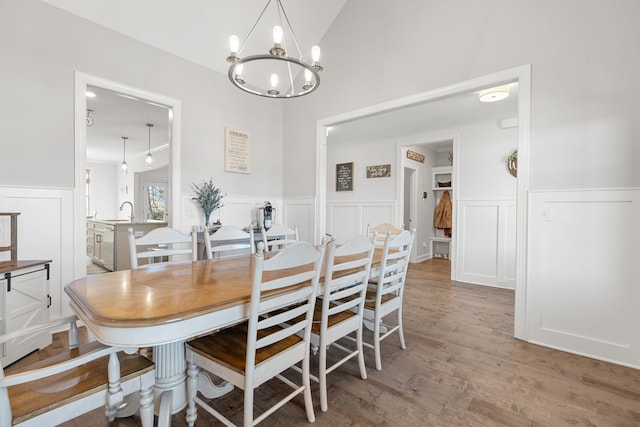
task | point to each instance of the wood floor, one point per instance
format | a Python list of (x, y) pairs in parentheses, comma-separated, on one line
[(462, 367)]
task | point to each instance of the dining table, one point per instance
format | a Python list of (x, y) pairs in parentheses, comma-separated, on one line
[(164, 305)]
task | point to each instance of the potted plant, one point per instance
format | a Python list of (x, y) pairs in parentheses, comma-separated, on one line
[(209, 197)]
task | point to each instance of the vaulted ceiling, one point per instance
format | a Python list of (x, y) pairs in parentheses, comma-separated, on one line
[(198, 30)]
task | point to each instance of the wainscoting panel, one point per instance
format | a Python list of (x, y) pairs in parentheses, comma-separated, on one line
[(486, 242), (45, 231), (344, 219), (237, 211), (242, 211), (301, 212), (582, 287)]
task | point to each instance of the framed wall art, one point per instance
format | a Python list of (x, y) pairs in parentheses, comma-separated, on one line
[(379, 171), (237, 151), (344, 176)]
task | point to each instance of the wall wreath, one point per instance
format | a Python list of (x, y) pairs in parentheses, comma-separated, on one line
[(512, 163)]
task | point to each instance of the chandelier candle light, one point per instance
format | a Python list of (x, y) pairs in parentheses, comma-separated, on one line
[(260, 74)]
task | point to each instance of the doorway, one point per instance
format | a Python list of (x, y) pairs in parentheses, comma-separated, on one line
[(438, 153), (82, 83), (521, 75), (409, 208)]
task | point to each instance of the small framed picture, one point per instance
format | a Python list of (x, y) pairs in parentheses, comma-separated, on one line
[(344, 176)]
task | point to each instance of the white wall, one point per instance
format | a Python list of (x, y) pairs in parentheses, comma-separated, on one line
[(372, 200), (584, 82), (103, 198), (584, 90), (362, 155), (45, 227), (43, 46), (586, 297)]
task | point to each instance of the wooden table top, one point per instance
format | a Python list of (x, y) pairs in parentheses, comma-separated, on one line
[(162, 294)]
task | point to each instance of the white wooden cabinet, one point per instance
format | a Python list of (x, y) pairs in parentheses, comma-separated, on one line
[(442, 180), (24, 302)]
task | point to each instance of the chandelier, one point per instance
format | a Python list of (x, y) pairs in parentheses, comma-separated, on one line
[(262, 74)]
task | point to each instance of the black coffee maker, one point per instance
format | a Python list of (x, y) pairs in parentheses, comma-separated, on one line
[(266, 216)]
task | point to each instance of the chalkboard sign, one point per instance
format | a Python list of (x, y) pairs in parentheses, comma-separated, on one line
[(344, 176)]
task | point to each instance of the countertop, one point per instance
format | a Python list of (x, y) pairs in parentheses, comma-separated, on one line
[(23, 264)]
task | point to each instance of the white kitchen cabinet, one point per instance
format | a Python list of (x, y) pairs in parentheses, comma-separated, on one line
[(108, 241), (24, 302)]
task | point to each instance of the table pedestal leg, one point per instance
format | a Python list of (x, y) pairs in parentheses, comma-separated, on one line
[(210, 390), (369, 325), (170, 375)]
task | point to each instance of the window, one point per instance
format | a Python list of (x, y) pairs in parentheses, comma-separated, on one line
[(155, 206)]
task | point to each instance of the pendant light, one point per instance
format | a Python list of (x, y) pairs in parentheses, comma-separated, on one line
[(149, 159), (124, 155)]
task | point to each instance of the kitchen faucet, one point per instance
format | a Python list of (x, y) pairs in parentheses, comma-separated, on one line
[(130, 204)]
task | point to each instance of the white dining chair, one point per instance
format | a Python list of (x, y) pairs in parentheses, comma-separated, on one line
[(379, 232), (74, 382), (162, 243), (340, 311), (256, 351), (279, 236), (386, 291), (229, 240)]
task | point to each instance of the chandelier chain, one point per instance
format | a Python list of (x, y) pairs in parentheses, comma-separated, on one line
[(295, 39), (255, 24)]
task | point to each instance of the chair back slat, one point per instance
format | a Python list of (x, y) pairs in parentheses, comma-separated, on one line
[(294, 296), (168, 242), (346, 304), (281, 334), (395, 262), (229, 238), (378, 233), (357, 254), (84, 377), (282, 317), (284, 282), (270, 304), (346, 278), (279, 236), (163, 252), (304, 255)]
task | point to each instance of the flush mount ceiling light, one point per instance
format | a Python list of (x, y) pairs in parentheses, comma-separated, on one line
[(149, 158), (260, 74), (123, 166), (494, 94)]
